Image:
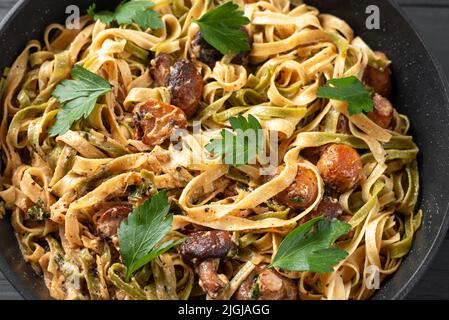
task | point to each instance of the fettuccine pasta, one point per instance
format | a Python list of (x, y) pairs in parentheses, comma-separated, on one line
[(63, 192)]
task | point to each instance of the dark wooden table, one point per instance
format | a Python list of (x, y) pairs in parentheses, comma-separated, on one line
[(432, 19)]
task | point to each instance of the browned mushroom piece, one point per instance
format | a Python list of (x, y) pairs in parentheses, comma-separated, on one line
[(383, 111), (209, 279), (340, 167), (156, 121), (266, 284), (160, 69), (186, 86), (203, 245), (343, 125), (312, 154), (302, 192), (206, 248), (204, 52), (109, 221), (329, 208), (379, 80)]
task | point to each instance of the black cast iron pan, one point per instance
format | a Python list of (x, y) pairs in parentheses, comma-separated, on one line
[(419, 91)]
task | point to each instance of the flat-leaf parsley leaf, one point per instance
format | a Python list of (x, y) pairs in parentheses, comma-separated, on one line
[(77, 97), (241, 145), (128, 12), (222, 28), (351, 90)]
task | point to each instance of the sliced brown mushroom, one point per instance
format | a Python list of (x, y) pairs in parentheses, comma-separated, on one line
[(379, 80), (108, 222), (210, 280), (161, 68), (266, 284), (383, 111), (340, 166), (329, 208), (302, 192), (203, 245), (205, 249), (155, 121), (186, 87)]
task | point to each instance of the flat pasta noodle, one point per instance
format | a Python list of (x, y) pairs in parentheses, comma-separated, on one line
[(56, 188)]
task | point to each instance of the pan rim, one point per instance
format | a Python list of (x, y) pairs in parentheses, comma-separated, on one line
[(25, 292), (444, 227)]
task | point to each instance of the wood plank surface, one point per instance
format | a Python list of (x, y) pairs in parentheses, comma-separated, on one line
[(431, 17)]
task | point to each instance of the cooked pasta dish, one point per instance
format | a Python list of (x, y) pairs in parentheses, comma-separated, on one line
[(181, 149)]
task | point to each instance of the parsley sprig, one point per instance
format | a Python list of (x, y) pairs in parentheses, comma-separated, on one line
[(310, 246), (77, 97), (351, 90), (128, 12), (222, 28), (241, 145), (139, 235)]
